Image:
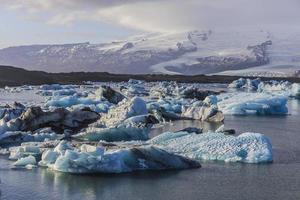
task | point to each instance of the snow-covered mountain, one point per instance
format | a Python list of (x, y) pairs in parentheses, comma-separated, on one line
[(193, 52)]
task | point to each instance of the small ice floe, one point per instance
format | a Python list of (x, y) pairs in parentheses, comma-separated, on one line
[(26, 161)]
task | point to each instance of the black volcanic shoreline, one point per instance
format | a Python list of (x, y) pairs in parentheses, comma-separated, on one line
[(12, 76)]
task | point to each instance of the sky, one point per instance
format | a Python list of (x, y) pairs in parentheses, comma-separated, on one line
[(26, 22)]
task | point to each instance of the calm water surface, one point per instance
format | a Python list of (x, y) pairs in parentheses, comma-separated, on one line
[(215, 180)]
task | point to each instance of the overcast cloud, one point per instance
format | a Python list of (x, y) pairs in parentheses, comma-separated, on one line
[(163, 15)]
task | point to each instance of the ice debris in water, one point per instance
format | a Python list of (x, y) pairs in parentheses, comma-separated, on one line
[(247, 147), (295, 91), (203, 111), (23, 151), (133, 128), (285, 88), (68, 101), (29, 160), (91, 159), (243, 83), (242, 103), (129, 120)]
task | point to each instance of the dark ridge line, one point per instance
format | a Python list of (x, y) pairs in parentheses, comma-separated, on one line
[(13, 76)]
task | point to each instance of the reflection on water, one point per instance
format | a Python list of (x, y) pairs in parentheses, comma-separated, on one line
[(215, 180)]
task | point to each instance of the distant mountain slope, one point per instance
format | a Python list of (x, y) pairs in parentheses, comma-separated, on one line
[(188, 53)]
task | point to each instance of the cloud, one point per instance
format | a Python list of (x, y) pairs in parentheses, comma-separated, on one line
[(163, 15)]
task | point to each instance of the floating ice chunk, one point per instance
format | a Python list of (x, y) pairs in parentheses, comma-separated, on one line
[(62, 147), (247, 147), (90, 160), (30, 166), (51, 87), (284, 88), (108, 93), (134, 128), (113, 134), (202, 111), (69, 101), (23, 151), (29, 160), (243, 103), (193, 92), (211, 100), (64, 92), (295, 90), (12, 137), (248, 84), (48, 157), (274, 86), (124, 110), (11, 112)]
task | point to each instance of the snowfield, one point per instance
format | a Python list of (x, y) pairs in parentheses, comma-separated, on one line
[(272, 51)]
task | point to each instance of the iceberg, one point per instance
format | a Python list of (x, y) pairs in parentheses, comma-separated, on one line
[(133, 128), (202, 111), (248, 84), (11, 112), (26, 149), (284, 88), (246, 148), (295, 90), (29, 160), (129, 120), (243, 103), (109, 94), (68, 101), (93, 159), (124, 110)]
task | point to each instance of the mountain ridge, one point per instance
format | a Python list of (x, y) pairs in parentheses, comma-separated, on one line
[(186, 53)]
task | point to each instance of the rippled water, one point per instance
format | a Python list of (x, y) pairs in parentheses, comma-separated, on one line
[(215, 180)]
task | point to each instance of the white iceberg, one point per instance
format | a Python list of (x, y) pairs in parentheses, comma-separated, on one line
[(295, 90), (133, 128), (124, 110), (26, 149), (248, 84), (68, 101), (243, 103), (26, 161), (92, 159), (247, 147), (202, 111)]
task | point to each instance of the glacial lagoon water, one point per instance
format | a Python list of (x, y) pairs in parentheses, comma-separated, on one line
[(215, 180)]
